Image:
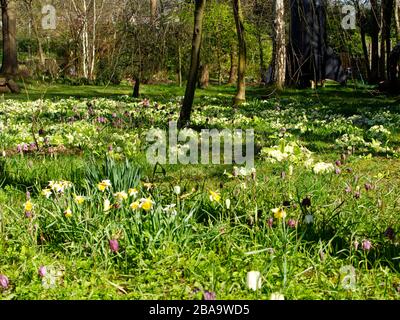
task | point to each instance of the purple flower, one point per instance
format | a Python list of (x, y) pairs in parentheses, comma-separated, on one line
[(338, 163), (357, 195), (114, 115), (366, 245), (28, 195), (338, 171), (306, 202), (28, 214), (42, 271), (101, 120), (114, 245), (348, 189), (207, 295), (110, 148), (389, 233), (283, 174), (292, 223), (32, 146), (368, 186), (270, 222), (19, 148), (25, 147), (356, 244), (4, 282)]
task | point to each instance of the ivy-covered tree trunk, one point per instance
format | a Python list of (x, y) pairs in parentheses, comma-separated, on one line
[(10, 61), (187, 106), (241, 82)]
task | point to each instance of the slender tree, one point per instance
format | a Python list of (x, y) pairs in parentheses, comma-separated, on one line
[(194, 64), (375, 28), (397, 19), (10, 61), (280, 45), (242, 64)]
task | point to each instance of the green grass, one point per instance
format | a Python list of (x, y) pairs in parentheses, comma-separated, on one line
[(207, 245)]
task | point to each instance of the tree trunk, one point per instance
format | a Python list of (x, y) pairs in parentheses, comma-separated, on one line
[(186, 110), (280, 45), (374, 43), (263, 68), (179, 65), (10, 60), (204, 80), (153, 10), (386, 28), (241, 82), (233, 71), (136, 87), (397, 19), (363, 23)]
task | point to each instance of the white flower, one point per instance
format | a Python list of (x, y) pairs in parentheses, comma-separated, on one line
[(290, 170), (322, 167), (277, 296), (253, 280), (309, 219), (228, 203), (177, 190), (107, 205)]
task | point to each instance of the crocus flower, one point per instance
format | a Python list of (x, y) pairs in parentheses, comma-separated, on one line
[(19, 148), (4, 282), (338, 163), (253, 280), (270, 222), (114, 245), (356, 244), (207, 295)]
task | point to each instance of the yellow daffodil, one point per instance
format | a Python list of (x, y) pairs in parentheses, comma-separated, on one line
[(121, 196), (46, 193), (107, 205), (68, 213), (135, 205), (104, 185), (133, 192), (146, 204), (28, 206), (279, 213), (79, 199), (215, 196)]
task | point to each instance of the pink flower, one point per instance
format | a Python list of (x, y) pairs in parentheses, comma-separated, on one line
[(366, 245), (42, 271), (4, 282), (114, 245), (292, 223)]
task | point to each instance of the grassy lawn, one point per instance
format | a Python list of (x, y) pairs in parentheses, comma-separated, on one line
[(333, 235)]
